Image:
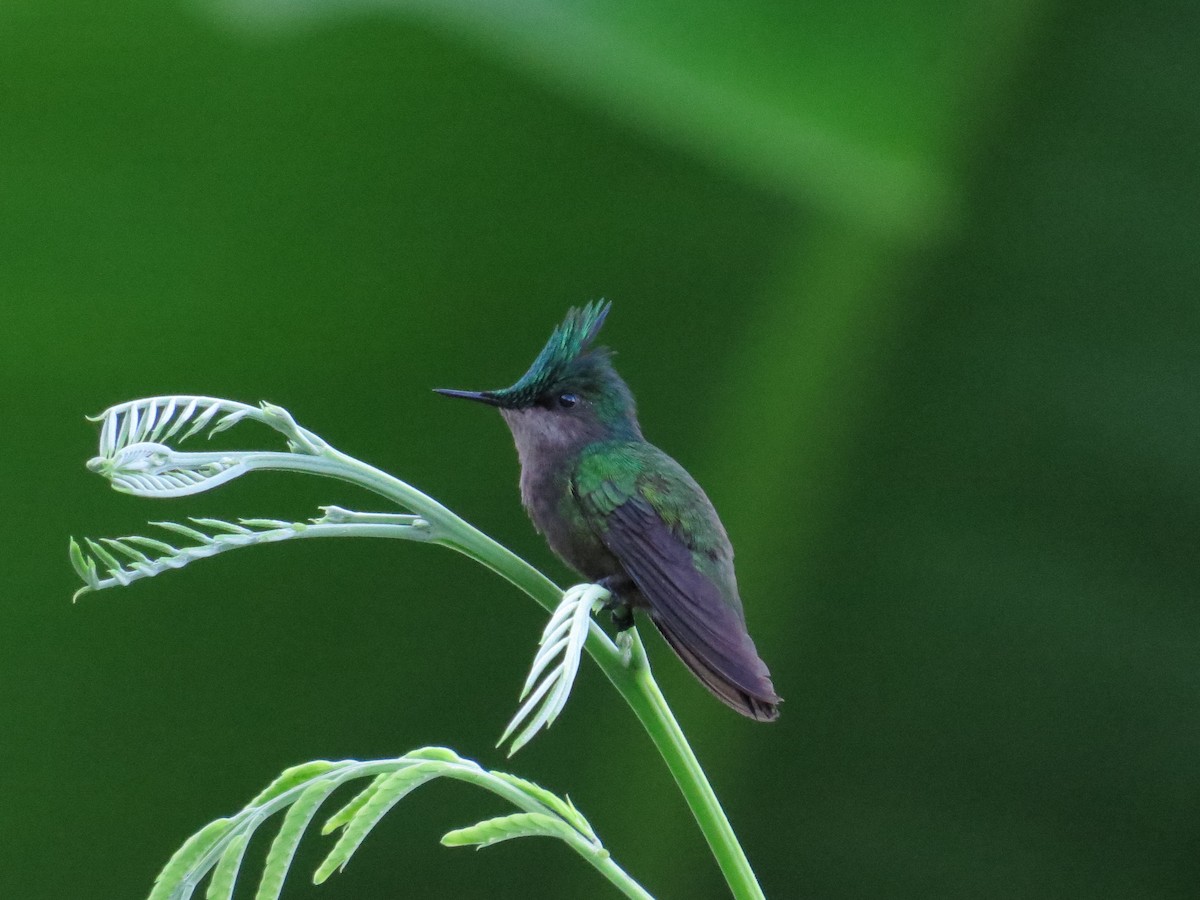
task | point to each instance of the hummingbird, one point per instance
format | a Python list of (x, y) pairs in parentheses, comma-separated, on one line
[(624, 514)]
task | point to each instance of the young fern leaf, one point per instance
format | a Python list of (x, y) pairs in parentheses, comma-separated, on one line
[(561, 805), (225, 536), (217, 537), (303, 775), (388, 794), (283, 848), (179, 872), (135, 457), (504, 828), (156, 419), (180, 416), (218, 849), (350, 810), (155, 470), (562, 640), (224, 876)]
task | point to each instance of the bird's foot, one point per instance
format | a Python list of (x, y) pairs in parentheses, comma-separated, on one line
[(622, 616), (620, 588), (622, 611)]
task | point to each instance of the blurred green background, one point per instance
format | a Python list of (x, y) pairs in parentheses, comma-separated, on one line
[(910, 288)]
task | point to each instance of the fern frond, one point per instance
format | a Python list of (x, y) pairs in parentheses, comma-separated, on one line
[(123, 563), (179, 874), (155, 470), (167, 556), (224, 876), (558, 658), (216, 852), (159, 419), (283, 848), (503, 828), (391, 791), (561, 805), (297, 776), (135, 437), (350, 810)]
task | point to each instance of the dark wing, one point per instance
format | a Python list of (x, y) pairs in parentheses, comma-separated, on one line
[(689, 590)]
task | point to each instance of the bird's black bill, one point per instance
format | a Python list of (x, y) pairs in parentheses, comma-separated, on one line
[(478, 396)]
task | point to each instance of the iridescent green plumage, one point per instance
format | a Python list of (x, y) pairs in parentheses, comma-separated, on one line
[(624, 513)]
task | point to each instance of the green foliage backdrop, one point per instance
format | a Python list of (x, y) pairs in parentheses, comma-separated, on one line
[(910, 288)]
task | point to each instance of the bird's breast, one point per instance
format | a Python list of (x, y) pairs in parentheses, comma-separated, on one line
[(546, 494)]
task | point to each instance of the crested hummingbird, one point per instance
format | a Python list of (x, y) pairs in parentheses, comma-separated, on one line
[(626, 515)]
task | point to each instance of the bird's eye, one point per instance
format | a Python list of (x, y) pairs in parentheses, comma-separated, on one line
[(566, 401)]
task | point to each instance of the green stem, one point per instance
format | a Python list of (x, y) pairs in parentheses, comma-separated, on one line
[(605, 865), (448, 529), (632, 678), (655, 714), (598, 857)]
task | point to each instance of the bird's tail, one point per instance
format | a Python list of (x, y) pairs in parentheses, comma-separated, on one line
[(742, 682)]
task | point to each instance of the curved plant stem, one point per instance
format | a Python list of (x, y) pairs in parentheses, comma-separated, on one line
[(651, 708), (631, 675), (604, 864)]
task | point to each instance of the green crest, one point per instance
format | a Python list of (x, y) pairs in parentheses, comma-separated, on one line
[(566, 355)]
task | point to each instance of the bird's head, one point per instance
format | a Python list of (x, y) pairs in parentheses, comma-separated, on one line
[(571, 395)]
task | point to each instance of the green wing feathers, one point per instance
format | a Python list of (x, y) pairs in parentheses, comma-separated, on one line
[(658, 523)]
